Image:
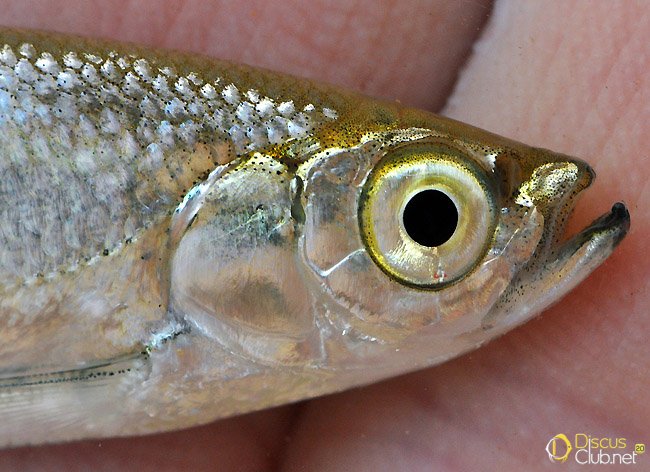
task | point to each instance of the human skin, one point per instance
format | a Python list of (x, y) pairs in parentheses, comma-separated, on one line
[(568, 76)]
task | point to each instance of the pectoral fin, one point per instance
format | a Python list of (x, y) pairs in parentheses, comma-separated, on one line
[(69, 403)]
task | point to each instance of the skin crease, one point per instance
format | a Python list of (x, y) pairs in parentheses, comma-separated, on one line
[(572, 77)]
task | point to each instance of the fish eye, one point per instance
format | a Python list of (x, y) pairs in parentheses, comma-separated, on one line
[(427, 214)]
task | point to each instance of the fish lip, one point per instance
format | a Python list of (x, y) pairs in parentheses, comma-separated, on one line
[(591, 174), (618, 217), (615, 225)]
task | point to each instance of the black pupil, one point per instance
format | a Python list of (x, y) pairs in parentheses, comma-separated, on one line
[(430, 218)]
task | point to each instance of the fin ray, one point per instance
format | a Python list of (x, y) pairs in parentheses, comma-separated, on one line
[(70, 403)]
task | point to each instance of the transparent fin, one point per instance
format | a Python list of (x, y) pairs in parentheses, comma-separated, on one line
[(69, 404)]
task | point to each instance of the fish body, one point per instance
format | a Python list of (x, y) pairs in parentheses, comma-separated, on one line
[(184, 239)]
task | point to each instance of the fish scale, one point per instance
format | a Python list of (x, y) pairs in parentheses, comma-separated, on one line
[(104, 109)]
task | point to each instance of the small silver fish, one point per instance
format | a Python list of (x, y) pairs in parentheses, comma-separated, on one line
[(184, 239)]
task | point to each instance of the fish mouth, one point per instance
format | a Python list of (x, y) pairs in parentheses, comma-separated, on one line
[(593, 243), (558, 186), (572, 261), (557, 267), (609, 228)]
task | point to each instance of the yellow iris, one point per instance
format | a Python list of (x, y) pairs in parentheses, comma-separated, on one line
[(427, 214)]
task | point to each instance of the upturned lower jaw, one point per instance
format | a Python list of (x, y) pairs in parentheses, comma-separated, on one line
[(613, 226), (566, 266)]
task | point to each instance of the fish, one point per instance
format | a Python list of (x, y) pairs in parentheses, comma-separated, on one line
[(184, 239)]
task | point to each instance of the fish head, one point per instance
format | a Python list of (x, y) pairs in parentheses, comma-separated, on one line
[(424, 240)]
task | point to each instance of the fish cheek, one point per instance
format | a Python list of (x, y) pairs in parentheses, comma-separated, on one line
[(233, 272)]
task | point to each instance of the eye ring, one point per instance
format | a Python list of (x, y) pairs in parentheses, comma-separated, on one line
[(448, 250)]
